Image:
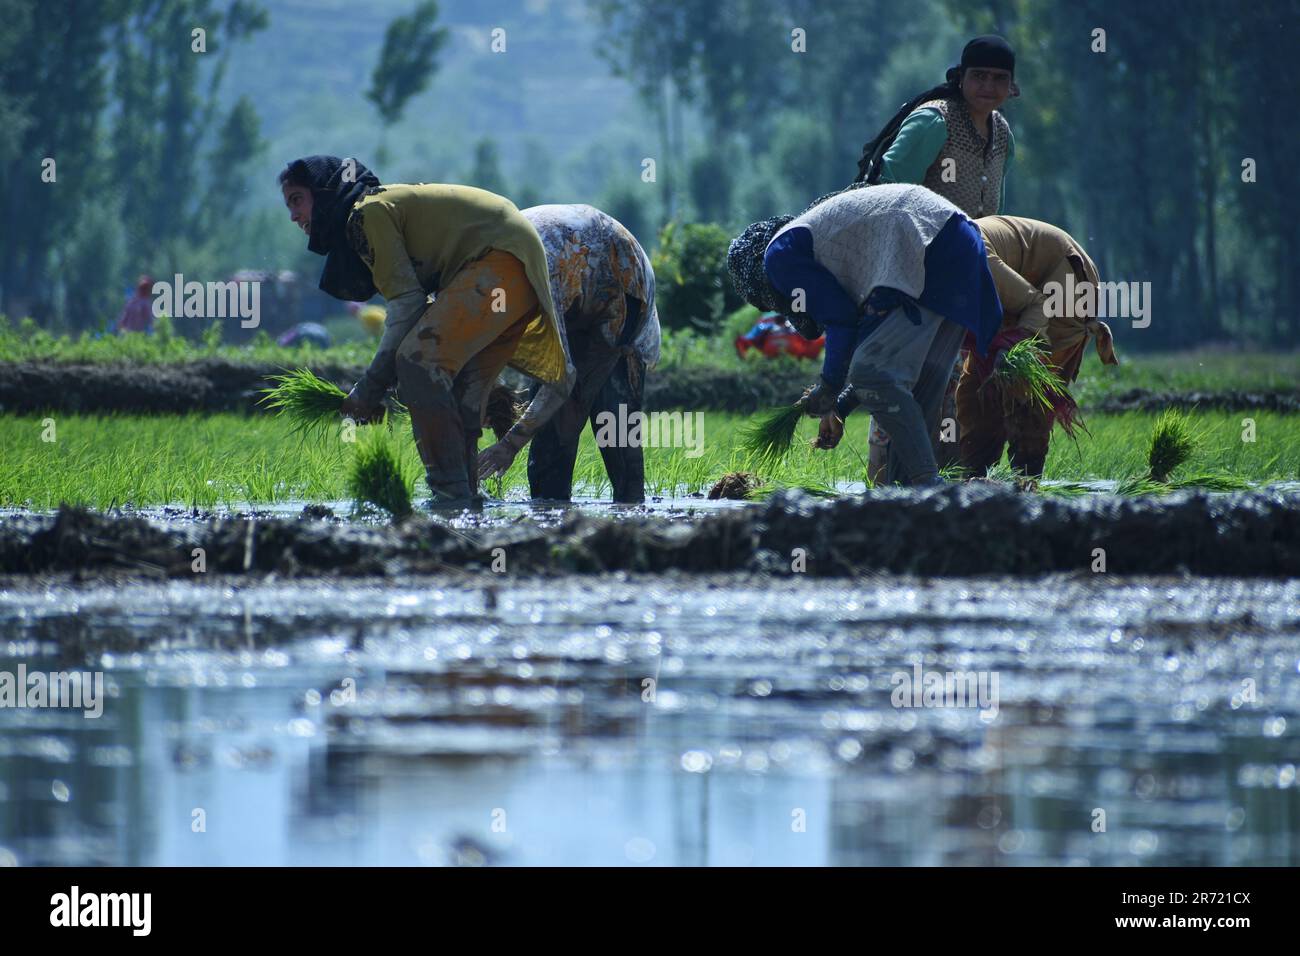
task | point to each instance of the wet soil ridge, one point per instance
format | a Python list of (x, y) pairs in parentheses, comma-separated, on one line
[(206, 385), (221, 385), (1146, 400), (962, 530)]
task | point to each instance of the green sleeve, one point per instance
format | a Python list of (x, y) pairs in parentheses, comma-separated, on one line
[(381, 246), (1006, 169), (915, 148)]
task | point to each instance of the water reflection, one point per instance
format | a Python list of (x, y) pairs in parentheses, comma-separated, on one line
[(644, 721)]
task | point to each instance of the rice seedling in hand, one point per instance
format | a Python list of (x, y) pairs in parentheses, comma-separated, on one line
[(1026, 370), (770, 434), (1172, 443), (376, 476), (308, 401)]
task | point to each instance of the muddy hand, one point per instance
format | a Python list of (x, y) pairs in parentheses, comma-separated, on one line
[(829, 431), (495, 460), (359, 409)]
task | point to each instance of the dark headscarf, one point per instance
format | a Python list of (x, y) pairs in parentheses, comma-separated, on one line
[(745, 263), (345, 276), (989, 51)]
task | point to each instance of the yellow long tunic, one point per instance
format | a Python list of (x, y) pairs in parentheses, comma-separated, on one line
[(416, 237), (1024, 256)]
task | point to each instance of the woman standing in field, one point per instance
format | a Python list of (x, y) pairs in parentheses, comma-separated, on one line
[(487, 268), (896, 275), (1031, 262), (604, 292), (953, 140)]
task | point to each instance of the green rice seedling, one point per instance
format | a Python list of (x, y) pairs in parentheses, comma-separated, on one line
[(1028, 368), (1065, 489), (377, 477), (770, 434), (814, 488), (1212, 481), (1172, 443), (1135, 485), (308, 401)]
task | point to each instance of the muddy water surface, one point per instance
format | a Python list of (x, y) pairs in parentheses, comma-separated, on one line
[(658, 720)]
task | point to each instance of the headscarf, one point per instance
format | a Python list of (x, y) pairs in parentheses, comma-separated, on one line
[(345, 276), (987, 51), (745, 263)]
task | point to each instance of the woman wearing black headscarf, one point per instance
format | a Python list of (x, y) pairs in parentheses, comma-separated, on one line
[(486, 265)]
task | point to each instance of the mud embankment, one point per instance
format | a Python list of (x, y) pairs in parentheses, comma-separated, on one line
[(1146, 400), (206, 385), (222, 385), (955, 530)]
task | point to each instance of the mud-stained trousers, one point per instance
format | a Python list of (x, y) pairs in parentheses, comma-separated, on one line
[(900, 373), (448, 361), (945, 452), (607, 377)]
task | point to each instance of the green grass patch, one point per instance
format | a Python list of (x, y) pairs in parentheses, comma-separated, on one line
[(234, 461)]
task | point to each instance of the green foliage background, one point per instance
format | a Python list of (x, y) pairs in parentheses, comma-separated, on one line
[(166, 158)]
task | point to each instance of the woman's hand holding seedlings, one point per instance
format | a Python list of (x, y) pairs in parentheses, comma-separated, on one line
[(819, 399), (360, 409), (829, 432)]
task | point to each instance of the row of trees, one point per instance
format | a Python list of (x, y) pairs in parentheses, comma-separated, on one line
[(122, 155), (118, 148), (1136, 138), (1135, 144)]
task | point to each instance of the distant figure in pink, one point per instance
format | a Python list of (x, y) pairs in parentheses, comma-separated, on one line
[(138, 314)]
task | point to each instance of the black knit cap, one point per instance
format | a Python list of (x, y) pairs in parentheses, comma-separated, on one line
[(745, 263), (336, 185), (989, 51)]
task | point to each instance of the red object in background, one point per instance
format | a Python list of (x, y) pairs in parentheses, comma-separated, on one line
[(773, 336)]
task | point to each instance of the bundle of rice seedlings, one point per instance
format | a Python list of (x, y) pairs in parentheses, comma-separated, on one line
[(734, 486), (1172, 443), (376, 476), (309, 401), (1027, 368), (770, 434)]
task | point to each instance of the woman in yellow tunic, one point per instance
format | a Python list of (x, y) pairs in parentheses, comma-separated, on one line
[(486, 267)]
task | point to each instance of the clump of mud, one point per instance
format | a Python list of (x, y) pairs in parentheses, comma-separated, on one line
[(734, 486), (502, 410), (963, 529)]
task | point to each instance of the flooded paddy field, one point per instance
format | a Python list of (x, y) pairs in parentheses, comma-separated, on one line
[(904, 678), (656, 719)]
